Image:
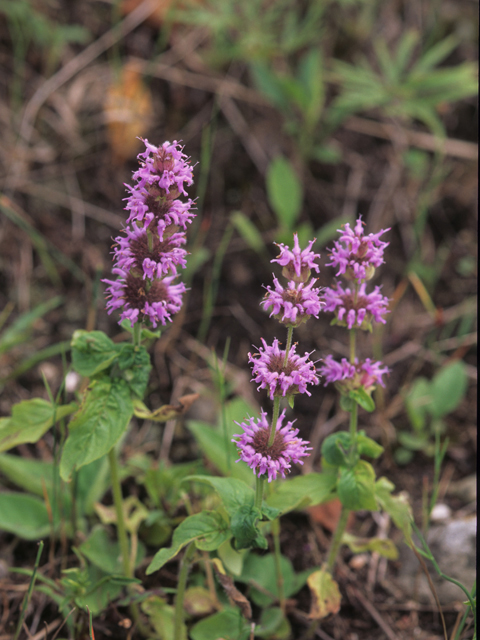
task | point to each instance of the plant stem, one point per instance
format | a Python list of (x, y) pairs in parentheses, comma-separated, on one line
[(273, 426), (28, 595), (118, 502), (259, 491), (289, 345), (182, 583), (352, 346), (337, 539), (278, 568), (137, 333)]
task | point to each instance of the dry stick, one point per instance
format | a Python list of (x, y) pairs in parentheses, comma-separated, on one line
[(432, 588), (136, 17), (427, 141), (373, 612)]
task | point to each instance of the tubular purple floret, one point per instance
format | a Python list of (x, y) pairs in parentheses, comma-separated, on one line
[(295, 262), (287, 447), (295, 303), (357, 255), (356, 309), (347, 376), (270, 372)]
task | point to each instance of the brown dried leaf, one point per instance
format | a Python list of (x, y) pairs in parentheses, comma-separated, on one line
[(235, 596), (128, 110), (325, 594), (167, 411), (158, 17)]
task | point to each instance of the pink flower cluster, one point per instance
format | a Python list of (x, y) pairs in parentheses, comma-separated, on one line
[(296, 302), (357, 255), (273, 460), (147, 256), (349, 376), (282, 374)]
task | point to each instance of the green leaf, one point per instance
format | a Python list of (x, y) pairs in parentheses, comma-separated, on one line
[(162, 617), (134, 363), (413, 441), (103, 417), (244, 529), (284, 190), (448, 388), (248, 231), (228, 624), (211, 441), (207, 528), (356, 487), (259, 571), (23, 515), (30, 420), (367, 446), (397, 507), (335, 448), (301, 491), (273, 624), (362, 398), (417, 403), (384, 546), (233, 492), (105, 553), (231, 558), (92, 352)]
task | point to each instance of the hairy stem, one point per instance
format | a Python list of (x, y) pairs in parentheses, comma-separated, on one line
[(259, 481), (273, 426), (278, 568), (337, 539), (118, 503), (182, 584), (137, 333), (289, 345)]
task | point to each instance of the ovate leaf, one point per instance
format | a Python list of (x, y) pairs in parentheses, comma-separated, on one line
[(325, 594), (284, 190), (207, 528), (92, 352), (384, 546), (24, 515), (302, 491), (103, 417), (356, 487), (233, 492), (30, 420)]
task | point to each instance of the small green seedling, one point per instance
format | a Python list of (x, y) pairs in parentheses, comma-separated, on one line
[(427, 403)]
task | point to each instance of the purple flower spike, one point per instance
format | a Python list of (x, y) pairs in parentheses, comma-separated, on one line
[(357, 255), (349, 376), (356, 310), (297, 263), (160, 180), (144, 252), (295, 304), (282, 380), (253, 446), (155, 301)]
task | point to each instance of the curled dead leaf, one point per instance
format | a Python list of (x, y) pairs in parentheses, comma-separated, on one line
[(128, 109), (235, 596), (325, 594), (167, 411)]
